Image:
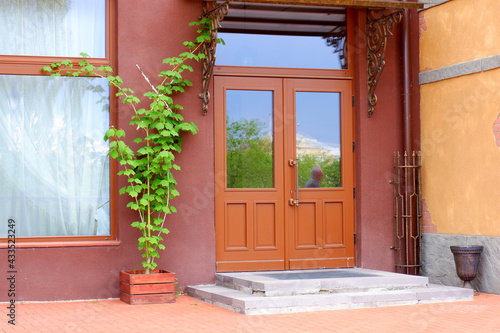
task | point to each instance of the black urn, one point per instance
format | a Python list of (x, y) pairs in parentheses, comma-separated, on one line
[(467, 262)]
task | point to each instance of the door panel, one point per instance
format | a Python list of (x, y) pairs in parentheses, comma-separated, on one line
[(237, 230), (249, 207), (271, 137), (334, 235), (266, 225), (325, 201)]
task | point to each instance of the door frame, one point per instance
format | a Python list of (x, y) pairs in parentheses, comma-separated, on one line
[(284, 263), (262, 260), (324, 255), (295, 73)]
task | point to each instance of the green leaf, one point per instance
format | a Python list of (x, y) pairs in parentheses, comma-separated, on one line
[(147, 169), (120, 133), (133, 206), (109, 133), (140, 225)]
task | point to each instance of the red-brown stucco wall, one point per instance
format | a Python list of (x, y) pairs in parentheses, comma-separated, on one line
[(147, 32), (377, 138), (146, 37)]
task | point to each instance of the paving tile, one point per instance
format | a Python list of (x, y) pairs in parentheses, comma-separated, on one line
[(190, 315)]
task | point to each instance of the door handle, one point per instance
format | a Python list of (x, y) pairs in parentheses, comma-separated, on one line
[(295, 164)]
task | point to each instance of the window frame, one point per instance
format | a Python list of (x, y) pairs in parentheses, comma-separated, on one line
[(32, 65)]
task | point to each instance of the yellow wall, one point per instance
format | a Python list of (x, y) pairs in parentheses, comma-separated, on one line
[(459, 31), (460, 158), (461, 161)]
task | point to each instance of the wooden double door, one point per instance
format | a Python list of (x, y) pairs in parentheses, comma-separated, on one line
[(284, 173)]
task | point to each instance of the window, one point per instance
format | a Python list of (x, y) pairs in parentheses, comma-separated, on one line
[(283, 36), (259, 50), (54, 169)]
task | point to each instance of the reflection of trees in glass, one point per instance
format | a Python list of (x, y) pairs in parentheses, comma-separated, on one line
[(330, 165), (249, 155), (250, 158)]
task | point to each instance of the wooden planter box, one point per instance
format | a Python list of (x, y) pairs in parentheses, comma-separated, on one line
[(154, 288)]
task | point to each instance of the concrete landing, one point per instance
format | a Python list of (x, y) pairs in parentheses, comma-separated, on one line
[(326, 289)]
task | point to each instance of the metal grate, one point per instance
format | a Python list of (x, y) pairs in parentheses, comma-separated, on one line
[(407, 213)]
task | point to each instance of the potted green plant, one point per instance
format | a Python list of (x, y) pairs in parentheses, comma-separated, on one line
[(148, 168)]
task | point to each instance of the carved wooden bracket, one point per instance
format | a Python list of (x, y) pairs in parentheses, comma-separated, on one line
[(216, 13), (378, 29)]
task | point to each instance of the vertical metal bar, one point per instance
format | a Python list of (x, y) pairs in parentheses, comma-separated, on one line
[(396, 226), (297, 183), (413, 211), (419, 210), (295, 164), (400, 213), (407, 213)]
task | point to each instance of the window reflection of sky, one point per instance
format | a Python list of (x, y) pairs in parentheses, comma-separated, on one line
[(250, 105), (276, 51), (317, 113), (318, 116)]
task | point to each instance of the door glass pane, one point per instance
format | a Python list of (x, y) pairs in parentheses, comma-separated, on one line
[(279, 51), (249, 139), (318, 139)]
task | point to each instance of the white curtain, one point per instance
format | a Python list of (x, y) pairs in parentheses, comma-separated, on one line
[(53, 27), (53, 165), (54, 172)]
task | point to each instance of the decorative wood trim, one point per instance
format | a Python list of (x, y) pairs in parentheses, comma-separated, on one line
[(280, 72), (61, 243), (32, 65)]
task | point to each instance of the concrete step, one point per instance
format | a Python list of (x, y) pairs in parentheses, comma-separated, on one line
[(282, 283), (260, 293)]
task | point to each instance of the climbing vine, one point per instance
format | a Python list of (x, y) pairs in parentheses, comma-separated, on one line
[(148, 169)]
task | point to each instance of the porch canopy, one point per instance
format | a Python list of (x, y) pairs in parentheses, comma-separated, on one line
[(341, 3), (297, 17)]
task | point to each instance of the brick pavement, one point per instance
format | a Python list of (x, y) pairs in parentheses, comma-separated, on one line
[(190, 315)]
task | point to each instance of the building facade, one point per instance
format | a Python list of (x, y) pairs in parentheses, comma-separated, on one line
[(460, 147), (74, 246)]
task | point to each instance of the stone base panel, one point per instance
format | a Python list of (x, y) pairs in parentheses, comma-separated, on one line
[(439, 265)]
